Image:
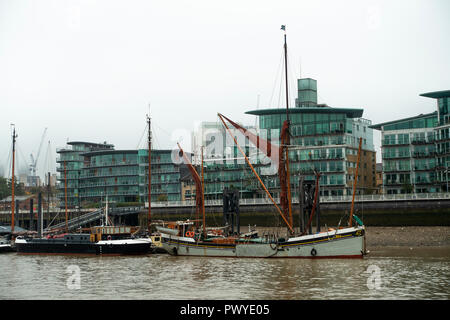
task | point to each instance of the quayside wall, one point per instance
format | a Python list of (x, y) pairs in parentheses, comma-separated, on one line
[(435, 212), (373, 211)]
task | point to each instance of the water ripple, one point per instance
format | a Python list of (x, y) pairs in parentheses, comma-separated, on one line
[(168, 277)]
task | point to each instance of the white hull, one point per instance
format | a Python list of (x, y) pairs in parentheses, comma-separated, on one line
[(6, 247), (343, 243), (124, 242)]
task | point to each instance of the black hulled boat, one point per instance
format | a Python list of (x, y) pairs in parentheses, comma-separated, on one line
[(103, 240)]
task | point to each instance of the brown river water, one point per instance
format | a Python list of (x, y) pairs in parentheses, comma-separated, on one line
[(386, 273)]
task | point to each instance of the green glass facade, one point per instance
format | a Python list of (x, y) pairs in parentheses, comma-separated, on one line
[(122, 175), (112, 173), (323, 138), (416, 150), (69, 167), (166, 176)]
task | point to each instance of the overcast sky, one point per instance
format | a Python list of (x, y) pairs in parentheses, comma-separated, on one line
[(87, 70)]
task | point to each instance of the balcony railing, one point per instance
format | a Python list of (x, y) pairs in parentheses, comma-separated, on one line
[(323, 199)]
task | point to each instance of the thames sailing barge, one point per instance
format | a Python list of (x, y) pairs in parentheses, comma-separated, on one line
[(188, 239), (184, 238)]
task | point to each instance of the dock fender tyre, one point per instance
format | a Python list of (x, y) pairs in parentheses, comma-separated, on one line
[(313, 252)]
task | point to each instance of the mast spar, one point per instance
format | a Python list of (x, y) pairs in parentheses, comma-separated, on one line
[(279, 154), (65, 195), (203, 196), (14, 136), (149, 174), (286, 135), (355, 180)]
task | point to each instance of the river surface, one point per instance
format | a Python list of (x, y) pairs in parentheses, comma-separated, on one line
[(400, 273)]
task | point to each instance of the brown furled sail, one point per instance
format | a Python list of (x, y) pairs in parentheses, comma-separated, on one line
[(256, 140), (278, 156), (198, 188), (269, 149), (283, 171)]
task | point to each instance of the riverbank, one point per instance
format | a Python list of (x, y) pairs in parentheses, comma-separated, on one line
[(413, 237), (408, 236)]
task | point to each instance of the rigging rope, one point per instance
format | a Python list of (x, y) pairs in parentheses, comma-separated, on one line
[(276, 80), (142, 136), (8, 161)]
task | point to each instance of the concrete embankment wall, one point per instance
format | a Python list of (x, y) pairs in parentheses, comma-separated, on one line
[(376, 213)]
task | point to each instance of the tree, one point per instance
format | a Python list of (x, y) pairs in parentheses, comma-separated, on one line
[(19, 189), (162, 197), (5, 188), (407, 187)]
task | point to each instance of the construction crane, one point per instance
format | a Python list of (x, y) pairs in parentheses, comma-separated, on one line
[(34, 161)]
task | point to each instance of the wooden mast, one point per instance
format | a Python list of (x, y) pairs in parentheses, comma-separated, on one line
[(283, 153), (288, 134), (12, 181), (203, 199), (354, 183), (149, 175), (65, 195)]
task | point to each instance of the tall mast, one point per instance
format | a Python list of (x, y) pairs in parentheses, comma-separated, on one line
[(149, 174), (65, 195), (106, 211), (14, 136), (203, 199), (286, 72), (48, 194), (287, 140), (355, 180)]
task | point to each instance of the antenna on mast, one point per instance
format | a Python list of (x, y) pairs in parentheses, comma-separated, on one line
[(283, 27)]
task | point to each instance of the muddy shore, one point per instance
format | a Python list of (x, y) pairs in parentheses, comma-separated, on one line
[(413, 237)]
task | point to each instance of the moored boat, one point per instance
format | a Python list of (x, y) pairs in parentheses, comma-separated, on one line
[(346, 242), (339, 243), (5, 246), (104, 240)]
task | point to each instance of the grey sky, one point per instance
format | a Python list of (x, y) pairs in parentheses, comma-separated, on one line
[(87, 70)]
